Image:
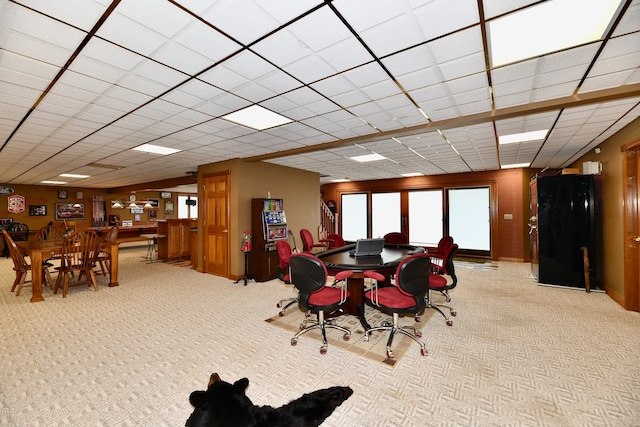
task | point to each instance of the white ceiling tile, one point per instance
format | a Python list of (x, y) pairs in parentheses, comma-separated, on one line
[(495, 8), (126, 32), (630, 22), (242, 18), (103, 104)]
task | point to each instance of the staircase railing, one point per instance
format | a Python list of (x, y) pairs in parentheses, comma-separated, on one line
[(328, 221)]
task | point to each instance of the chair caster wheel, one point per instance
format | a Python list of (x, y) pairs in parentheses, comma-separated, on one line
[(365, 337), (279, 305), (423, 352), (323, 350), (417, 319), (294, 342), (389, 354), (346, 337), (449, 322), (418, 334), (281, 314), (454, 313), (302, 327)]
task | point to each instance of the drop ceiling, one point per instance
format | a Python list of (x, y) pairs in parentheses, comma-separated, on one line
[(82, 82)]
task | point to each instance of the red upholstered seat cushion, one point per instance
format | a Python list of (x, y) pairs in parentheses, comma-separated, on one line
[(391, 297), (345, 274), (437, 281), (373, 275), (326, 296)]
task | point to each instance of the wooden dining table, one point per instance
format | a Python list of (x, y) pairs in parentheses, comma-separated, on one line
[(40, 250)]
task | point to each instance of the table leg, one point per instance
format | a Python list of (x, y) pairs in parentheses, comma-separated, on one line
[(355, 305), (36, 276), (113, 271)]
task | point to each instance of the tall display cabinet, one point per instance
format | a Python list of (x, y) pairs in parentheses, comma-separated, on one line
[(268, 225)]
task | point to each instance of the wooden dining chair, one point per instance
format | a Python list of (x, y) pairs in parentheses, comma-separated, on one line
[(79, 253), (21, 266), (19, 232), (104, 257), (49, 232)]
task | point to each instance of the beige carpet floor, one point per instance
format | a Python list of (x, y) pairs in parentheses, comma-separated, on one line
[(518, 354)]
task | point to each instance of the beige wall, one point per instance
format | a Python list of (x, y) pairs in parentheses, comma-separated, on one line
[(612, 182), (300, 191)]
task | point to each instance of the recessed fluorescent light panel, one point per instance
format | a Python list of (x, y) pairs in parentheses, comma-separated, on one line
[(536, 135), (548, 27), (516, 165), (73, 175), (53, 182), (340, 180), (368, 158), (409, 175), (156, 149), (257, 117)]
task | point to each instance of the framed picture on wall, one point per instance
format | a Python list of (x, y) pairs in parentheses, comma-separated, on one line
[(165, 195), (168, 208), (37, 210), (153, 214), (63, 194), (69, 211), (153, 202)]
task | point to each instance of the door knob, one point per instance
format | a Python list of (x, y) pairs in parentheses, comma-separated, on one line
[(636, 239)]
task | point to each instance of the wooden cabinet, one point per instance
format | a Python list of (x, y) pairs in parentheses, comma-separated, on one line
[(263, 266), (174, 238)]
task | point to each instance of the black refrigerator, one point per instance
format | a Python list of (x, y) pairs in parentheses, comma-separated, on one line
[(565, 224)]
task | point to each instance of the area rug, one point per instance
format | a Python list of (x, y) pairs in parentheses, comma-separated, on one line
[(475, 264), (374, 349)]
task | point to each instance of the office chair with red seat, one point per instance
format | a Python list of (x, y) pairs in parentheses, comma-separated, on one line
[(407, 296), (396, 238), (438, 282), (308, 244), (284, 254), (309, 276), (438, 254), (334, 240)]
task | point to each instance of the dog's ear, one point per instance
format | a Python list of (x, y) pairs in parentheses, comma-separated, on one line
[(241, 384), (197, 397)]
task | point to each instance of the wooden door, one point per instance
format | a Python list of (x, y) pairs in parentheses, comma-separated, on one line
[(216, 224), (631, 170)]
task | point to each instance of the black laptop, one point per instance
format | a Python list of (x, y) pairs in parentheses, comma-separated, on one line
[(369, 248)]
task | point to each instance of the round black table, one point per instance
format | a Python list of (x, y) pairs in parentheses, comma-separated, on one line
[(386, 263)]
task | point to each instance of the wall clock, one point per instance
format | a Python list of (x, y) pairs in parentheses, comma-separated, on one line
[(16, 204)]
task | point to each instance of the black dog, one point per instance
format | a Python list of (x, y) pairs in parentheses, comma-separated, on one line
[(227, 405)]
